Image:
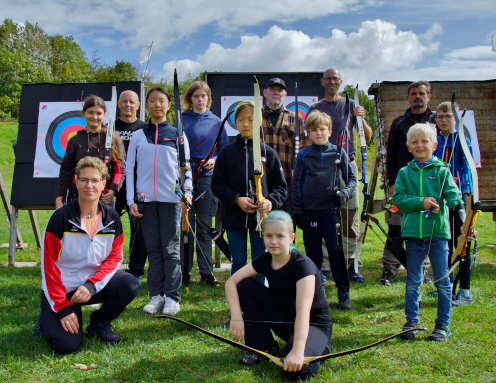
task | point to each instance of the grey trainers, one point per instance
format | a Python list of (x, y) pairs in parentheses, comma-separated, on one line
[(252, 359), (463, 299), (441, 333), (408, 326), (355, 277)]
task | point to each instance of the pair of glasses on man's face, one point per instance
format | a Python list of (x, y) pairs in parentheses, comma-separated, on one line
[(335, 79), (86, 181), (444, 117)]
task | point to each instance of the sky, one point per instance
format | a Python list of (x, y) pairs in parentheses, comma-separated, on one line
[(368, 41)]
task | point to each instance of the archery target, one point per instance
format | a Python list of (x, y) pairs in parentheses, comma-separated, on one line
[(60, 131), (231, 121), (302, 110)]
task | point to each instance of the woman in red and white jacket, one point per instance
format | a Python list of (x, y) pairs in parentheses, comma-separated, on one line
[(80, 259)]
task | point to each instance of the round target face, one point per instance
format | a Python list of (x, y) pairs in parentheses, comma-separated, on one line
[(59, 133), (231, 121), (302, 110)]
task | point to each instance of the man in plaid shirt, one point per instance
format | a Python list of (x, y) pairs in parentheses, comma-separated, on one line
[(279, 131)]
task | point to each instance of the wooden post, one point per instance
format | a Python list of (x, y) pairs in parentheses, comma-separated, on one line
[(12, 241), (36, 229)]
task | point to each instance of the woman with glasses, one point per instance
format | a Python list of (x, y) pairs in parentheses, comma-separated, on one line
[(91, 142), (152, 169), (80, 259)]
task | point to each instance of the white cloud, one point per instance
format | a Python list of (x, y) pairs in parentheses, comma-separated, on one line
[(105, 42), (374, 51), (472, 53), (435, 29)]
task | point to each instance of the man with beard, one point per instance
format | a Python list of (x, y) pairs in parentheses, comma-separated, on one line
[(419, 95), (334, 106), (279, 131), (125, 126)]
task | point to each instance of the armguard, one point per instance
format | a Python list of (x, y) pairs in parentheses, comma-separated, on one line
[(459, 215)]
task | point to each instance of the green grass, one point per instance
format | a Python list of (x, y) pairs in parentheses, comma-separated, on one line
[(155, 350)]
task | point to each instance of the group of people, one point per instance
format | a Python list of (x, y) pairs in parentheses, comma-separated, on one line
[(315, 190)]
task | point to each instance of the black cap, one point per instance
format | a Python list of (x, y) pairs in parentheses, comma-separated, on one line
[(276, 81)]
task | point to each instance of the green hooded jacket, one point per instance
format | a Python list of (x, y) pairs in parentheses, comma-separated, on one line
[(413, 185)]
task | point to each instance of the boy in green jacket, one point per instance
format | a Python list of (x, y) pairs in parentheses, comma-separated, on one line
[(424, 191)]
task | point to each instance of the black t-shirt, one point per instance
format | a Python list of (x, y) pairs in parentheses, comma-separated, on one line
[(125, 130), (418, 118), (282, 285)]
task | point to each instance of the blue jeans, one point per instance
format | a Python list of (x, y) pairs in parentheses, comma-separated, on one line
[(416, 249), (238, 245)]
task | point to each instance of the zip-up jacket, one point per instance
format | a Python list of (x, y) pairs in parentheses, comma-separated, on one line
[(153, 164), (71, 258), (85, 144), (315, 178), (413, 185), (458, 165), (233, 174), (397, 151), (201, 130)]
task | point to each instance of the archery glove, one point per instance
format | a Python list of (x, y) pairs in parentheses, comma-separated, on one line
[(459, 215), (338, 198), (300, 221)]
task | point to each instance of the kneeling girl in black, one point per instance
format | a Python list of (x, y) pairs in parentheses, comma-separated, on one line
[(295, 295)]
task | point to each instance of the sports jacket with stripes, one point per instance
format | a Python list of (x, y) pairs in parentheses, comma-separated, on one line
[(71, 258)]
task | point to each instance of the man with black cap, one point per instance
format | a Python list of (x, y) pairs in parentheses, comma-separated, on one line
[(279, 131)]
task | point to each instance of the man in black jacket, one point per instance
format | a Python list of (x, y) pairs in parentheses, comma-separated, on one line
[(419, 95), (125, 126)]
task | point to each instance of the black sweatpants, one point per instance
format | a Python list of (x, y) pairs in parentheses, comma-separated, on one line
[(137, 247), (257, 303), (323, 225), (466, 267), (120, 290)]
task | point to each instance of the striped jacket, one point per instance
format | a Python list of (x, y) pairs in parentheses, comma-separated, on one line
[(71, 258)]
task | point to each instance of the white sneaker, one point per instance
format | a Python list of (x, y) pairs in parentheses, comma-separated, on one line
[(171, 307), (156, 303)]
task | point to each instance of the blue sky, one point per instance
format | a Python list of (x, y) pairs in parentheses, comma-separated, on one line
[(367, 40)]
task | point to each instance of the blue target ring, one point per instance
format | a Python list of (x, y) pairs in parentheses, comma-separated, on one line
[(60, 131), (231, 121), (302, 110)]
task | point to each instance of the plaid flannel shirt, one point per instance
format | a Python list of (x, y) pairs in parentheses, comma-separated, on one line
[(281, 138)]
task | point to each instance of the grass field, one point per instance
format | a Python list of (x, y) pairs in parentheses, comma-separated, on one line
[(155, 350)]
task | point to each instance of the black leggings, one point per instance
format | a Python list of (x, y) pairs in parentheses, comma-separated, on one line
[(120, 290), (257, 303)]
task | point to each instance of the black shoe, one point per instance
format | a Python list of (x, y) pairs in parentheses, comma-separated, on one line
[(441, 333), (409, 335), (252, 359), (210, 279), (38, 330), (355, 277), (387, 277), (344, 302), (103, 331)]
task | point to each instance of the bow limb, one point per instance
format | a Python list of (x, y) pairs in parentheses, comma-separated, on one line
[(273, 359), (257, 154)]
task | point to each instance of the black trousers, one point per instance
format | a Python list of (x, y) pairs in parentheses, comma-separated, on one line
[(466, 267), (257, 303), (120, 290), (137, 246), (323, 225)]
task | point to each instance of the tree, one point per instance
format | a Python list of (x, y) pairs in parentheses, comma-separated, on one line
[(121, 71), (367, 103), (68, 61)]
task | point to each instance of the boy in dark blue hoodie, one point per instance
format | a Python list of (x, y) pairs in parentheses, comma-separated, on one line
[(316, 197)]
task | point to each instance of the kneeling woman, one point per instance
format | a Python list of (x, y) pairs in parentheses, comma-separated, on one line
[(295, 294), (80, 259)]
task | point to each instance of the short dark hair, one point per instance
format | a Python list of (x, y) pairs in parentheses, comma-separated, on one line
[(162, 90), (417, 84), (93, 100)]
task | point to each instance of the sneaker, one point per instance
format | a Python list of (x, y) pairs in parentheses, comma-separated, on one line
[(38, 330), (355, 277), (93, 305), (463, 299), (441, 333), (139, 283), (433, 294), (252, 359), (171, 307), (387, 277), (210, 279), (427, 279), (344, 302), (408, 326), (323, 278), (103, 331), (155, 304)]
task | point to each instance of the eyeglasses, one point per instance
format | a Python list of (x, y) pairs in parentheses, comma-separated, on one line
[(444, 117), (85, 181), (335, 79)]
